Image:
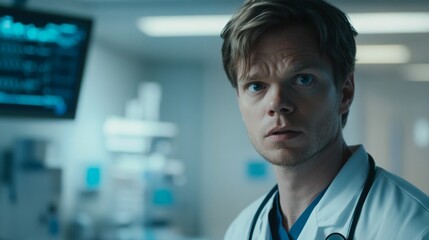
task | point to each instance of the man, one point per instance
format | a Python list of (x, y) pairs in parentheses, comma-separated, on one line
[(291, 63)]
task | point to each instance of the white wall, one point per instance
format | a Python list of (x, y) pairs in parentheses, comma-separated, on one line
[(110, 79), (392, 107), (352, 132)]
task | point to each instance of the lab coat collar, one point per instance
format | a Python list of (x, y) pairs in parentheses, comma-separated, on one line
[(336, 206), (262, 228), (341, 196)]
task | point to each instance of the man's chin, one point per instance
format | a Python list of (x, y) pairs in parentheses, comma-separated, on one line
[(285, 157), (286, 162)]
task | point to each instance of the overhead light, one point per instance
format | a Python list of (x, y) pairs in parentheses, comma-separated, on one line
[(211, 25), (201, 25), (416, 72), (382, 54), (390, 22)]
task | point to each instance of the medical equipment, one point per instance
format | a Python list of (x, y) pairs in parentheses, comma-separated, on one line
[(358, 209)]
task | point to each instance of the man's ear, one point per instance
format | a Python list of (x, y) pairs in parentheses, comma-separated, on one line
[(347, 93)]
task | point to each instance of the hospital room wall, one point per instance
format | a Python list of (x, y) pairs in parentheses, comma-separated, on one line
[(110, 80), (393, 106)]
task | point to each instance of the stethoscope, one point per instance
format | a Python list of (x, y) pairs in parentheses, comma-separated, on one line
[(356, 214)]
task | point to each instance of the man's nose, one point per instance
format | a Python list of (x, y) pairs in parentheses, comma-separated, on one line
[(279, 101)]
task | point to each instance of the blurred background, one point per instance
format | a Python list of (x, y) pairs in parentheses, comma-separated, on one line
[(117, 124)]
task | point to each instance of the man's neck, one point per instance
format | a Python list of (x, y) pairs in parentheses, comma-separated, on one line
[(300, 185)]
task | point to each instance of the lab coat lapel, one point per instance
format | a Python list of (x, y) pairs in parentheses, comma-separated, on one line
[(262, 227), (335, 209)]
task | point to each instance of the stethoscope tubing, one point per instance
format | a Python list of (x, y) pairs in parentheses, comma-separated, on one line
[(356, 213)]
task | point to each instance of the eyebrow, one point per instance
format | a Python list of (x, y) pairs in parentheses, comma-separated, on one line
[(295, 66), (249, 77)]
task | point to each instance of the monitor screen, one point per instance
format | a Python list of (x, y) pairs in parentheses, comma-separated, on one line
[(42, 59)]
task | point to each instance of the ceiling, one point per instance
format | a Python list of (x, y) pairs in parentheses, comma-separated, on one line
[(115, 25)]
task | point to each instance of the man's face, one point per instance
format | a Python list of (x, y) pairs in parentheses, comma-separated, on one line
[(288, 99)]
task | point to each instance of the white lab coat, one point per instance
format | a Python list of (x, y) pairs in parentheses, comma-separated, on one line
[(394, 209)]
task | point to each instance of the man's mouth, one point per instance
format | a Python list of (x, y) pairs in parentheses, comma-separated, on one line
[(282, 134)]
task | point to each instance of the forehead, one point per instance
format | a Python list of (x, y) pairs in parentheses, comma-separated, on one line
[(295, 45), (292, 36)]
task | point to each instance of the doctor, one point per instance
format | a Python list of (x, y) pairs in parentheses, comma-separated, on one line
[(291, 63)]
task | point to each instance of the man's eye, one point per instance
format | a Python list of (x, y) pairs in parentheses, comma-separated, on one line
[(304, 80), (255, 87)]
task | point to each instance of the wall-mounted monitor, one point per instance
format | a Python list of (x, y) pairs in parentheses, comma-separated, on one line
[(42, 59)]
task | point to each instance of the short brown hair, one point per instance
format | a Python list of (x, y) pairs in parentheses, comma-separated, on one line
[(336, 36)]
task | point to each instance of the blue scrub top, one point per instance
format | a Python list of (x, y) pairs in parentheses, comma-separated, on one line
[(278, 232)]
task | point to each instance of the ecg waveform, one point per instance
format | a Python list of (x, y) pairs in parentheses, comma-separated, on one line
[(12, 48), (12, 84), (55, 103), (64, 35)]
